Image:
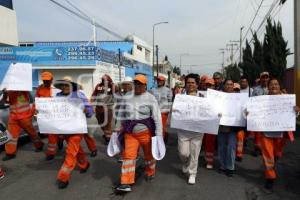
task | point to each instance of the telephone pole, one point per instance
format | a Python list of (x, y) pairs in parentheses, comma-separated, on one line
[(297, 50), (157, 60), (222, 51), (231, 46)]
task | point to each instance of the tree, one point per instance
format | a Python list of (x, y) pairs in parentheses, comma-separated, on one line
[(275, 50), (177, 70), (233, 72), (248, 65)]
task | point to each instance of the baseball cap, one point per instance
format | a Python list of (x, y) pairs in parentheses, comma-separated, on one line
[(46, 76), (141, 78)]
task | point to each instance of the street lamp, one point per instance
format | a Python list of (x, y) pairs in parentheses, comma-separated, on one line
[(153, 43), (180, 56)]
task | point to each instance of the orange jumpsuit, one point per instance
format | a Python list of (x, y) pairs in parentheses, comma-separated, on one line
[(43, 91), (240, 144), (91, 142), (272, 149), (20, 117), (209, 148)]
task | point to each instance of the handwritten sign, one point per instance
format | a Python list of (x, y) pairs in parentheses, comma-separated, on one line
[(18, 77), (271, 113), (195, 114), (61, 115), (230, 105)]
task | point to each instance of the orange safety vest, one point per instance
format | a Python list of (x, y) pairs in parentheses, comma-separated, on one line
[(19, 102)]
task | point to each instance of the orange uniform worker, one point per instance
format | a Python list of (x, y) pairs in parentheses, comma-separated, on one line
[(209, 140), (272, 142), (74, 152), (139, 120), (46, 90), (20, 117), (164, 97)]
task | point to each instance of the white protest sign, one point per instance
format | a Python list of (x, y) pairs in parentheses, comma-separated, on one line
[(195, 114), (230, 105), (270, 113), (61, 115), (18, 77)]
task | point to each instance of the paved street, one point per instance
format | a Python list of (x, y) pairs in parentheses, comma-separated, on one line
[(31, 177)]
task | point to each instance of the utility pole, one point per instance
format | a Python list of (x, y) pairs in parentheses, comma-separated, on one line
[(223, 57), (297, 50), (232, 44), (241, 40), (94, 33), (157, 60)]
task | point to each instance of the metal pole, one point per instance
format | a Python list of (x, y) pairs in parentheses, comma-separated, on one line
[(153, 54), (241, 39), (94, 33), (157, 60), (297, 50)]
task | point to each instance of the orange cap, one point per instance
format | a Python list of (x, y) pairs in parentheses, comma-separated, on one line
[(210, 81), (161, 78), (204, 78), (141, 78), (236, 86), (46, 76)]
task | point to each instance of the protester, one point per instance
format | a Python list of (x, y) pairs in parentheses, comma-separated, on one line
[(89, 137), (74, 152), (260, 89), (46, 90), (140, 120), (20, 117), (163, 96), (202, 85), (227, 140), (245, 88), (102, 97), (272, 142), (209, 140), (189, 143), (218, 78)]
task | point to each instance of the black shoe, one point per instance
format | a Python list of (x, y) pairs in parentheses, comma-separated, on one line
[(93, 153), (149, 178), (62, 185), (229, 173), (40, 149), (256, 152), (60, 144), (269, 184), (8, 157), (106, 139), (221, 171), (124, 188), (239, 159), (82, 171), (50, 157)]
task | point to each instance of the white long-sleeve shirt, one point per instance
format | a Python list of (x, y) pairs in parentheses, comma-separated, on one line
[(164, 97), (140, 107)]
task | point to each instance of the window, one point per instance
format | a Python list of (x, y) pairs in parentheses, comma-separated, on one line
[(139, 48), (147, 55)]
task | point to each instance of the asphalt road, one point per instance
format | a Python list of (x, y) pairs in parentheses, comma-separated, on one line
[(29, 176)]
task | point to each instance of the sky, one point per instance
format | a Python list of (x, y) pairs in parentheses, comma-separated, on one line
[(197, 29)]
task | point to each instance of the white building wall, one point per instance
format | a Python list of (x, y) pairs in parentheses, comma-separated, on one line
[(8, 27)]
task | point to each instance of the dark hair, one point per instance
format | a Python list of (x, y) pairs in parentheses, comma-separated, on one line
[(274, 79), (244, 77), (217, 74), (228, 79), (194, 76)]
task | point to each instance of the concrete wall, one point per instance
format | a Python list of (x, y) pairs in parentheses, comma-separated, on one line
[(8, 27)]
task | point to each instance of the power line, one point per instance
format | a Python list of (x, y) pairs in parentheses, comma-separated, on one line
[(88, 19)]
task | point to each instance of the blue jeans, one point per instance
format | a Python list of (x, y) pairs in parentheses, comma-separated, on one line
[(227, 150)]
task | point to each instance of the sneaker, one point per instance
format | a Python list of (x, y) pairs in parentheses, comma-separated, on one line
[(93, 154), (239, 159), (8, 157), (209, 166), (221, 171), (229, 173), (269, 184), (149, 178), (62, 185), (1, 173), (124, 188), (49, 157), (192, 180), (82, 171)]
